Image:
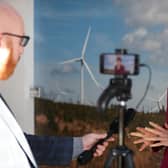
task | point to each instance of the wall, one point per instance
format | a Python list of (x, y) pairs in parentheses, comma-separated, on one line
[(16, 89)]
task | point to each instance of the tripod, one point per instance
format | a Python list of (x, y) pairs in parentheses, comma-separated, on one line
[(119, 87), (121, 151)]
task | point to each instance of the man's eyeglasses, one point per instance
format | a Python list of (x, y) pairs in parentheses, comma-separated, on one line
[(24, 39)]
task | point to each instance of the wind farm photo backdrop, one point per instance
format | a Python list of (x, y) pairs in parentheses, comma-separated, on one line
[(69, 38), (81, 31)]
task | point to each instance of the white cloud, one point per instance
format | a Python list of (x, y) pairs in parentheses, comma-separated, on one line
[(138, 34), (153, 43), (153, 37), (145, 12)]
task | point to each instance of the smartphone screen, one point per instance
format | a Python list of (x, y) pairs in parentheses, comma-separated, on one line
[(118, 64)]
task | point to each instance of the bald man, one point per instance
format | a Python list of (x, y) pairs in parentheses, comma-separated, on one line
[(19, 150)]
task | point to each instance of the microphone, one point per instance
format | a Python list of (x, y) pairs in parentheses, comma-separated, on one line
[(87, 155)]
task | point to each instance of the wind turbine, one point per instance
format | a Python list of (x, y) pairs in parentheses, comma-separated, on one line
[(60, 92), (158, 100), (83, 63)]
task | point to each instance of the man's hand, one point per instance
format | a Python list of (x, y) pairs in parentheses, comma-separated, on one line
[(90, 139)]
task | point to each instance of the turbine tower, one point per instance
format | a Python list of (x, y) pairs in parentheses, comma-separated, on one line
[(83, 63)]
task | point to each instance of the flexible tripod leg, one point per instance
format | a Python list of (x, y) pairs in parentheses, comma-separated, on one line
[(124, 154), (129, 159), (111, 156)]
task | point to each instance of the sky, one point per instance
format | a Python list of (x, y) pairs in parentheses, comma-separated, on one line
[(60, 31)]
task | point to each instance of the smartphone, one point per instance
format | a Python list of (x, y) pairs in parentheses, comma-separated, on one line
[(119, 64)]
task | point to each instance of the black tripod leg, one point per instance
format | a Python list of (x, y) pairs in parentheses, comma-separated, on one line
[(129, 160), (111, 156)]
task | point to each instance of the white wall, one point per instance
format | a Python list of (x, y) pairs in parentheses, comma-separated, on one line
[(16, 89)]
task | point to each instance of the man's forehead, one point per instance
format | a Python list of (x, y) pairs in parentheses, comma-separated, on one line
[(9, 16)]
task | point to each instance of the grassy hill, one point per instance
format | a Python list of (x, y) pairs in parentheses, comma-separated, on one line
[(75, 120)]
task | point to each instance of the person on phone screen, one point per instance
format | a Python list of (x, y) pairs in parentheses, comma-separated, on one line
[(119, 68)]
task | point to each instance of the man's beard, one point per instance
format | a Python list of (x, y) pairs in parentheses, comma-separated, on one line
[(7, 62)]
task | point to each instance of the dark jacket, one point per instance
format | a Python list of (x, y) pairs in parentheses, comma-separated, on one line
[(51, 150)]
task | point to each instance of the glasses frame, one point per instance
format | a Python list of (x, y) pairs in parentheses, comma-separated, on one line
[(24, 39)]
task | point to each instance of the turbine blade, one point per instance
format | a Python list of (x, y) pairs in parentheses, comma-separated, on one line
[(163, 95), (92, 76), (71, 61), (154, 109), (85, 43), (63, 92), (60, 91), (88, 102), (150, 98)]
